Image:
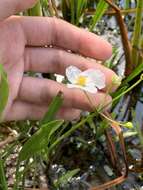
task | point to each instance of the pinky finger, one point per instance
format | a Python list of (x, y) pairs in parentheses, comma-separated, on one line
[(22, 110)]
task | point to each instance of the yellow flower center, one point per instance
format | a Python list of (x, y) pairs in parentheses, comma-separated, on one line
[(81, 80)]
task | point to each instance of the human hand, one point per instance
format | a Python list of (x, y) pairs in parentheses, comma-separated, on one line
[(22, 48)]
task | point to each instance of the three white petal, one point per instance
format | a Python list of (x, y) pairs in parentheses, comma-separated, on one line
[(95, 79)]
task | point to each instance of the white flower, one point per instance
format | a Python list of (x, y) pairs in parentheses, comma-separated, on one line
[(89, 80)]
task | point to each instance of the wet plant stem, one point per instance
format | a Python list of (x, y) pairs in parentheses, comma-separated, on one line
[(127, 4), (129, 89), (141, 51), (123, 93), (72, 11), (113, 12), (137, 33), (105, 116), (124, 35)]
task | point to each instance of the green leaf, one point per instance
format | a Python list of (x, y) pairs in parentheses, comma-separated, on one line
[(117, 93), (66, 11), (101, 8), (72, 10), (53, 109), (39, 140), (36, 10), (3, 183), (72, 2), (66, 177), (137, 32), (134, 73), (81, 5), (4, 89), (126, 4), (125, 83)]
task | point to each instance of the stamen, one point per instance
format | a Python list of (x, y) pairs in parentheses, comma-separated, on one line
[(81, 80)]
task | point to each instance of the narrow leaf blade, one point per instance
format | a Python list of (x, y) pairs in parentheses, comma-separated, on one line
[(39, 140), (66, 177), (4, 89), (101, 8), (53, 108), (3, 183)]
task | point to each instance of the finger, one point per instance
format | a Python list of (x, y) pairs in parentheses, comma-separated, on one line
[(11, 7), (51, 31), (37, 90), (49, 60), (23, 110)]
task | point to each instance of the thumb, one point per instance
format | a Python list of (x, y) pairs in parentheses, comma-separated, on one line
[(10, 7)]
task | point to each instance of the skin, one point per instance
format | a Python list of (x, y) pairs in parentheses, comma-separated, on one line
[(22, 48)]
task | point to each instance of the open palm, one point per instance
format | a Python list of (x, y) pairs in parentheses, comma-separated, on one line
[(24, 46)]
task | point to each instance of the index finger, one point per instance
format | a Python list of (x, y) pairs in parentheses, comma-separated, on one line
[(10, 7), (40, 31)]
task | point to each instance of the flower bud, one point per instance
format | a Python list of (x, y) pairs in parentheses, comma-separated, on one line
[(128, 125)]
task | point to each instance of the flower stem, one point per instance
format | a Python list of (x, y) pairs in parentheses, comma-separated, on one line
[(68, 133), (103, 115), (123, 93), (129, 89)]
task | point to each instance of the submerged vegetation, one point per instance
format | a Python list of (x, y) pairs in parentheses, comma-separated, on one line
[(101, 150)]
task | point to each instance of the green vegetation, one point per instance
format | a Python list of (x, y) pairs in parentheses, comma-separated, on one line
[(49, 142)]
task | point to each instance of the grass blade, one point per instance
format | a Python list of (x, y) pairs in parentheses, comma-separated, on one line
[(4, 89), (65, 5), (134, 74), (53, 109), (137, 33), (39, 140), (72, 3), (66, 177), (101, 8), (3, 183), (36, 10), (81, 5), (127, 4)]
